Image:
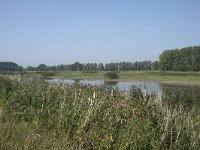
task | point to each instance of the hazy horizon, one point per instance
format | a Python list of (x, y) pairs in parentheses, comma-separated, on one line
[(57, 32)]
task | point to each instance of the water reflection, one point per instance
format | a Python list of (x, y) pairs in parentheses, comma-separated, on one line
[(92, 82), (77, 80), (58, 81), (151, 87), (112, 83)]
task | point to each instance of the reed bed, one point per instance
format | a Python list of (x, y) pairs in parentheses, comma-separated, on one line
[(37, 115)]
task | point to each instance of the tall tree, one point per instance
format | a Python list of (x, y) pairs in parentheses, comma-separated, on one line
[(42, 67), (185, 59)]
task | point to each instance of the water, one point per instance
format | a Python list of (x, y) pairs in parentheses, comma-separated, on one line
[(57, 80), (151, 87)]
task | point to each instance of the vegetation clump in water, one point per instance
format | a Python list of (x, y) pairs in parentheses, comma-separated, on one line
[(111, 75)]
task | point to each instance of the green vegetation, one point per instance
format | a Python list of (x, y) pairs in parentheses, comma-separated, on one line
[(173, 77), (80, 74), (162, 76), (36, 115), (10, 66), (111, 75), (185, 59)]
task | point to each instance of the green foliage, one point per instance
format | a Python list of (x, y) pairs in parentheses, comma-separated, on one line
[(185, 59), (37, 115), (10, 66), (111, 75), (42, 67), (155, 65)]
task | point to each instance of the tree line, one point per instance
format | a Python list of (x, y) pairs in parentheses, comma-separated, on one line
[(77, 66), (10, 66), (185, 59)]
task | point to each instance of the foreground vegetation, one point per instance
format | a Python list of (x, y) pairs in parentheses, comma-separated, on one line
[(37, 115)]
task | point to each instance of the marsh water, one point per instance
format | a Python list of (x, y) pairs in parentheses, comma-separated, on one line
[(151, 87)]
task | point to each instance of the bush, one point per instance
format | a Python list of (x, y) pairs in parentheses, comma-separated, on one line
[(111, 75)]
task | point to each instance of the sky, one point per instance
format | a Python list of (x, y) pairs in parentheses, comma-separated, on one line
[(56, 32)]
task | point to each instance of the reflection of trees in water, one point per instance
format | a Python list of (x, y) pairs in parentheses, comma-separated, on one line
[(112, 83), (77, 80)]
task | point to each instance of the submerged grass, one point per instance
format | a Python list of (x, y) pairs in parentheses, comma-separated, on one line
[(37, 115)]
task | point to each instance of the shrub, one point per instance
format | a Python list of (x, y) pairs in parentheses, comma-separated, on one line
[(111, 75)]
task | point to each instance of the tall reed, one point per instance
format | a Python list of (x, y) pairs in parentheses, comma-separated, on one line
[(38, 115)]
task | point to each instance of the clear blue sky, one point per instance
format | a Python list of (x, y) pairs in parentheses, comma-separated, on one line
[(64, 31)]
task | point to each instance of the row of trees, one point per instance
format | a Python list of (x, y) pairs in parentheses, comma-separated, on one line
[(10, 66), (77, 66), (185, 59)]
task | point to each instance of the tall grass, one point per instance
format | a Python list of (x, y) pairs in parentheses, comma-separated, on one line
[(37, 115)]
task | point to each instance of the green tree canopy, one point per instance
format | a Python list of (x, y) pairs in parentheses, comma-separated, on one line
[(185, 59)]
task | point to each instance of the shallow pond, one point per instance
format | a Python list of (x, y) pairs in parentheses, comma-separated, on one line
[(151, 87)]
